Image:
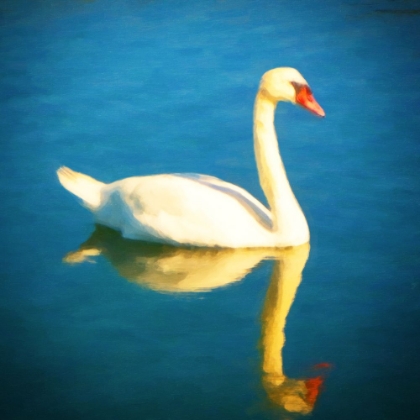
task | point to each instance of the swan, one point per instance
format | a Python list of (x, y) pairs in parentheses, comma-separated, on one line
[(204, 211)]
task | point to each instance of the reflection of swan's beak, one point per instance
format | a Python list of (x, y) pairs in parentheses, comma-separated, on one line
[(294, 395), (313, 386)]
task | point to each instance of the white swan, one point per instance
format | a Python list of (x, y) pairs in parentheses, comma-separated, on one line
[(199, 210)]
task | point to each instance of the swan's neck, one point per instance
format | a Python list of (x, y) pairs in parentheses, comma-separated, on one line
[(289, 223)]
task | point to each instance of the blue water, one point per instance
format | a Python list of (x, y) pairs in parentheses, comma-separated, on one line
[(120, 88)]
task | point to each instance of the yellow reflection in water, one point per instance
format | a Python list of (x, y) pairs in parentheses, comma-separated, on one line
[(168, 269), (294, 395)]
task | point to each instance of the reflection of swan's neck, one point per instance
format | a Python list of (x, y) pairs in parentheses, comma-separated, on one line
[(285, 279), (288, 219)]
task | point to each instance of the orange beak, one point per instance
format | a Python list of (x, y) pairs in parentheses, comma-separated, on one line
[(306, 100)]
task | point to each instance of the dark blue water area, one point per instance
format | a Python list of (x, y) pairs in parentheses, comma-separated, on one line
[(130, 87)]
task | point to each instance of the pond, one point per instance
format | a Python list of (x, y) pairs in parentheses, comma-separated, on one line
[(96, 326)]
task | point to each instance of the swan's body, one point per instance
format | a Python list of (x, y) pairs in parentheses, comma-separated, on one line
[(198, 210)]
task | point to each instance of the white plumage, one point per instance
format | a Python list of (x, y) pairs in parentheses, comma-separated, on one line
[(199, 210)]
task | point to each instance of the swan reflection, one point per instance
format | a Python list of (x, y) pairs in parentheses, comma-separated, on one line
[(294, 395), (168, 269)]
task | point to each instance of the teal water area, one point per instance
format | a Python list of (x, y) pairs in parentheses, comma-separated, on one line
[(95, 327)]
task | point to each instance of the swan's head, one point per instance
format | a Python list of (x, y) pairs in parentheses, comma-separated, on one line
[(287, 84)]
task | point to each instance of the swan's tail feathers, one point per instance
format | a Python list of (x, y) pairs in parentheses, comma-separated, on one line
[(82, 186)]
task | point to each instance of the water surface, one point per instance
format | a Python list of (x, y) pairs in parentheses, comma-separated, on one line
[(130, 87)]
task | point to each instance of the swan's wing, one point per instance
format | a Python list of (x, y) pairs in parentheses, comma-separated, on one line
[(187, 209), (251, 204)]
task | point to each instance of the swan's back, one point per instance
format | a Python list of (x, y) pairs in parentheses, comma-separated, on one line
[(185, 209)]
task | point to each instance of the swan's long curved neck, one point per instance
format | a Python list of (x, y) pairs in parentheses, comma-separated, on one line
[(289, 222)]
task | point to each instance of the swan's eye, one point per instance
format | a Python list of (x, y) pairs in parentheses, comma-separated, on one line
[(301, 89), (305, 99)]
